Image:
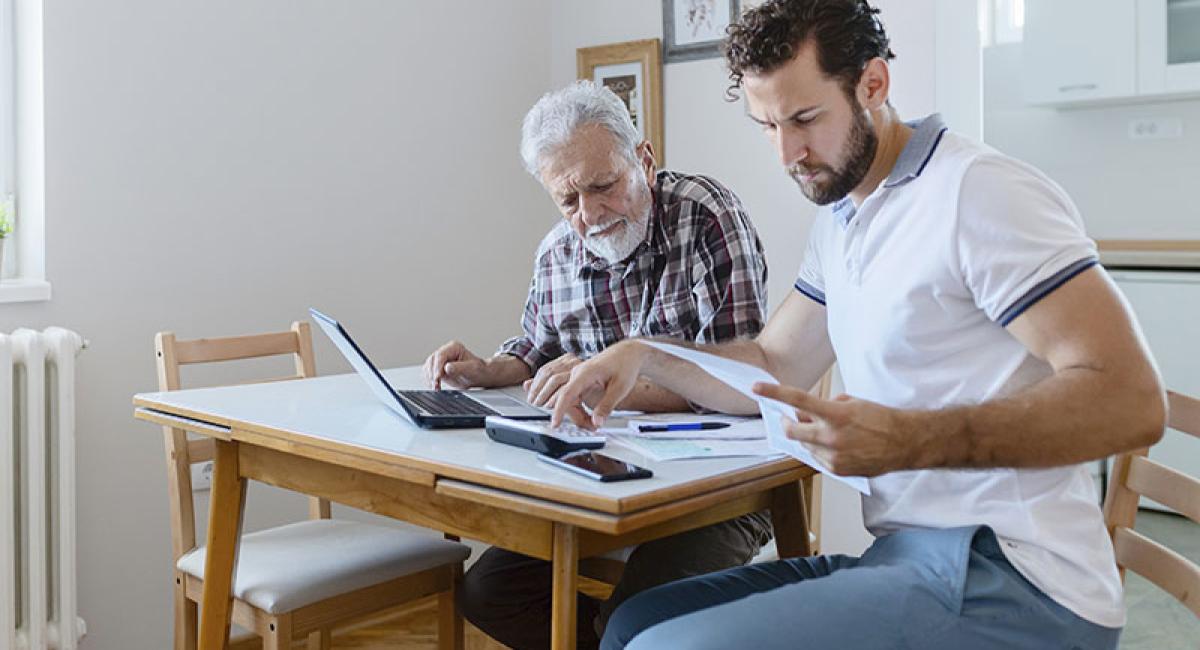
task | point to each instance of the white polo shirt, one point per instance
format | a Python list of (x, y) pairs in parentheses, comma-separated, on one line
[(919, 282)]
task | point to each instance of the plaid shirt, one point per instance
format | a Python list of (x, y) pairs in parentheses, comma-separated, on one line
[(700, 275)]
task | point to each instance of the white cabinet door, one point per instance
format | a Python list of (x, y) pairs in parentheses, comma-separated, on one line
[(1079, 50), (1167, 305), (1168, 46)]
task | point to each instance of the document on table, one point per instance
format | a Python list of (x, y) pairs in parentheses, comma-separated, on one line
[(660, 449), (741, 377)]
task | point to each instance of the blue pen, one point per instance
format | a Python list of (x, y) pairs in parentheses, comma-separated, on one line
[(683, 426)]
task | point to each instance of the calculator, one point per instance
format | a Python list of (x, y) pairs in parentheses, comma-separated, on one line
[(541, 437)]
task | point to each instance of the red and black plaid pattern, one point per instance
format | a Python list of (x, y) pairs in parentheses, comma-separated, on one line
[(701, 275)]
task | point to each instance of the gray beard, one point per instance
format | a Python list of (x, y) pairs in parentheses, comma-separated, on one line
[(617, 247)]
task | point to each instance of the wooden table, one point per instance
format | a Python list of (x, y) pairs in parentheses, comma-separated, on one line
[(330, 437)]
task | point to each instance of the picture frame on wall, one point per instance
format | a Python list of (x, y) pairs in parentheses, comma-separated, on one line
[(632, 70), (693, 29)]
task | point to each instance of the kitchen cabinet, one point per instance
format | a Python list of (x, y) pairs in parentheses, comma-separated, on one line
[(1167, 305), (1168, 46), (1079, 50)]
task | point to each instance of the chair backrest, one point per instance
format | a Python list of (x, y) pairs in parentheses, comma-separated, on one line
[(182, 453), (1134, 475)]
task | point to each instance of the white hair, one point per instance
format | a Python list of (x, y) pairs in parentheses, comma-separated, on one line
[(560, 113)]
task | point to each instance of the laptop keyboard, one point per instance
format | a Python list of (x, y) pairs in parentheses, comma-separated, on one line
[(446, 402)]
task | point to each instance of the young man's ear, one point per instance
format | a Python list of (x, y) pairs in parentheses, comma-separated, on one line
[(874, 84), (645, 157)]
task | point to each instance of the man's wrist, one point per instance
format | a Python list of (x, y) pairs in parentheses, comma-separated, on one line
[(506, 369), (936, 438), (636, 351)]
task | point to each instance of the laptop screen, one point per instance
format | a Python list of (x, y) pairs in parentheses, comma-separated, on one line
[(362, 365)]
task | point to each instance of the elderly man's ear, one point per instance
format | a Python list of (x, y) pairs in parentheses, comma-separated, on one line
[(645, 156)]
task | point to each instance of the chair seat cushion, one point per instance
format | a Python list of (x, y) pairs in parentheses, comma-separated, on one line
[(282, 569)]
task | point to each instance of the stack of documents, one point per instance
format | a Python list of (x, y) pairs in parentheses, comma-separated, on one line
[(741, 377), (679, 426)]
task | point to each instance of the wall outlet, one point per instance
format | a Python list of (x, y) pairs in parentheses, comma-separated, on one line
[(202, 476), (1155, 128)]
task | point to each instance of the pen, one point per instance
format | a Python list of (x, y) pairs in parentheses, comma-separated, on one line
[(683, 426)]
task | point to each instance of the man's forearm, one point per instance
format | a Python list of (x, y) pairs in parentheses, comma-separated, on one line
[(651, 398), (1077, 415), (689, 382)]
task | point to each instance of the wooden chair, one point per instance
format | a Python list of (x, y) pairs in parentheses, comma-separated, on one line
[(1134, 475), (301, 579)]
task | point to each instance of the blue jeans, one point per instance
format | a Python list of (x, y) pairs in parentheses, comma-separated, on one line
[(950, 588)]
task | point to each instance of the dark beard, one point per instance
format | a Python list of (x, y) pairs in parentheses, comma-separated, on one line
[(859, 153)]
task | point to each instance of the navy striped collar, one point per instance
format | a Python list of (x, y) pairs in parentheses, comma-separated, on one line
[(927, 133)]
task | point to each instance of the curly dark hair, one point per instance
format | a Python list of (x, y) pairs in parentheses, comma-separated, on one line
[(847, 33)]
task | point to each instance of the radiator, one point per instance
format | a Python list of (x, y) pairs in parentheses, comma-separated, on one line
[(37, 490)]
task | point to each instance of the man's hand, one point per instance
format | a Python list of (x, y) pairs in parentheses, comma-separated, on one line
[(852, 437), (544, 388), (456, 366), (603, 380)]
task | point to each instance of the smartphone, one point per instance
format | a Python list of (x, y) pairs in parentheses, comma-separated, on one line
[(597, 466)]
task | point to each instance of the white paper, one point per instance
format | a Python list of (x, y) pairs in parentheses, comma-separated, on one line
[(741, 377), (661, 450)]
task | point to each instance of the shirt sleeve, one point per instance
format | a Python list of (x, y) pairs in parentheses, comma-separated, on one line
[(729, 275), (538, 343), (811, 279), (1019, 236)]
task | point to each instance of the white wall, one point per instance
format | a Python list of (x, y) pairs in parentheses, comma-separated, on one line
[(1125, 189), (216, 167)]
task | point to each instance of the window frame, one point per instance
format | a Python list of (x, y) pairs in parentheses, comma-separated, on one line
[(22, 150)]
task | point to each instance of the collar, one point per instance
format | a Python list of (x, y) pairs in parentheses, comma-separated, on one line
[(927, 133)]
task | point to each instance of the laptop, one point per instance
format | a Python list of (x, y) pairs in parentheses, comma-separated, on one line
[(431, 409)]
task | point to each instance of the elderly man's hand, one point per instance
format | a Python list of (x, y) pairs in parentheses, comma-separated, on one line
[(852, 437), (542, 390), (455, 366)]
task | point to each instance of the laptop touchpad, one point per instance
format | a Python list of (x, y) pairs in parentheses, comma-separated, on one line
[(505, 404)]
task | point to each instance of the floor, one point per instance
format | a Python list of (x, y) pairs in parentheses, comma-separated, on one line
[(1156, 620)]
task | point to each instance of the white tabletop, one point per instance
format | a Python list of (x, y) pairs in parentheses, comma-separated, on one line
[(341, 409)]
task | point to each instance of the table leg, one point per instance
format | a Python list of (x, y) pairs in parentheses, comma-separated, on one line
[(790, 520), (566, 583), (225, 510)]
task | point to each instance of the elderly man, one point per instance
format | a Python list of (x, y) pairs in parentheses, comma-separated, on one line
[(987, 360), (638, 252)]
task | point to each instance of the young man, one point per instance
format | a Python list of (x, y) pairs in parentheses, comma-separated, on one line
[(638, 252), (986, 357)]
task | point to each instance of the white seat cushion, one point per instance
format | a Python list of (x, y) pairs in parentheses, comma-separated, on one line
[(620, 554), (285, 568)]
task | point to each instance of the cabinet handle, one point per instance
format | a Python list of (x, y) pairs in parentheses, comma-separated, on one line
[(1075, 87)]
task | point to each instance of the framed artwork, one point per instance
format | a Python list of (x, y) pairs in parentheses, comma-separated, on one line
[(633, 71), (693, 29)]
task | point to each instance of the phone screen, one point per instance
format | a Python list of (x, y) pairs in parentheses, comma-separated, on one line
[(600, 466)]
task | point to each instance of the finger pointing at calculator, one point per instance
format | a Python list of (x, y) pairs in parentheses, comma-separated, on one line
[(603, 381)]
